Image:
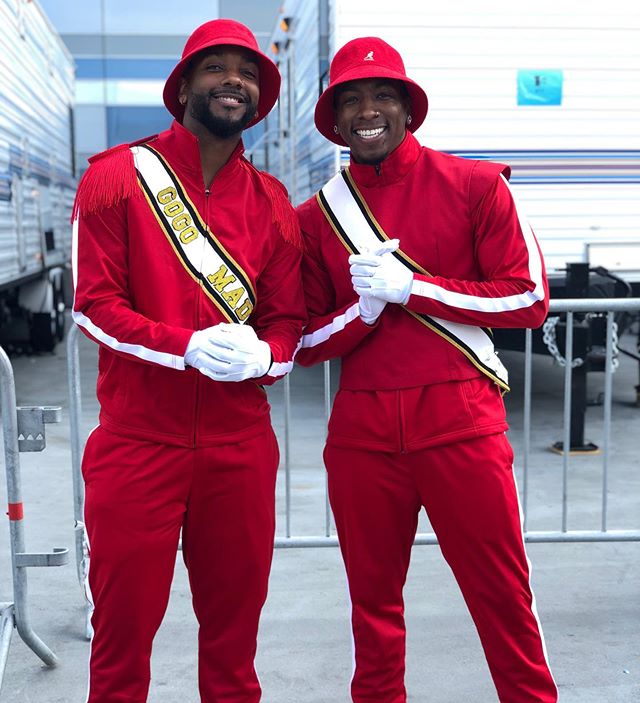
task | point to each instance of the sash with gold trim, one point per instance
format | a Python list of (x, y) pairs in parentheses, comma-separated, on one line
[(198, 250), (355, 225)]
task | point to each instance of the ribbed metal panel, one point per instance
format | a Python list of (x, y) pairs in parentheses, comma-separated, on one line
[(36, 183)]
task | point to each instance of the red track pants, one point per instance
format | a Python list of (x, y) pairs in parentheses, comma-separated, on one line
[(469, 493), (138, 496)]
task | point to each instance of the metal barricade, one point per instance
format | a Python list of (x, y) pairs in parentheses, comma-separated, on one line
[(23, 431), (604, 534), (326, 536), (75, 411)]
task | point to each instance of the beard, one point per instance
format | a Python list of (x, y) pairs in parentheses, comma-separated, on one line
[(225, 126)]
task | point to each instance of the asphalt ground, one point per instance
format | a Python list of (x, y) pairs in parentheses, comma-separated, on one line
[(588, 594)]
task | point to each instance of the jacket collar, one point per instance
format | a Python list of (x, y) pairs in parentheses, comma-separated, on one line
[(392, 169), (182, 147)]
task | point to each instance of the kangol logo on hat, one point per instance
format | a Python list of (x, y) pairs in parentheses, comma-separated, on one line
[(355, 61), (228, 33)]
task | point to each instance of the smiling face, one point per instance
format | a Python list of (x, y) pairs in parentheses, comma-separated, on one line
[(221, 91), (371, 116)]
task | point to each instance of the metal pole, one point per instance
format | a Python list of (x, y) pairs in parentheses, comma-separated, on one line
[(75, 413), (7, 623), (327, 415), (608, 386), (566, 446), (528, 370), (287, 454), (16, 517)]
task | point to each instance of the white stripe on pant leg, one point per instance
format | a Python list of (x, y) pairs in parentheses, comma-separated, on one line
[(534, 609), (87, 587)]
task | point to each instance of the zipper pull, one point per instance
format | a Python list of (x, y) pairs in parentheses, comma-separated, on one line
[(207, 193)]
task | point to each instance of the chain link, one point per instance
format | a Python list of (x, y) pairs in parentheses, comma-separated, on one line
[(549, 338)]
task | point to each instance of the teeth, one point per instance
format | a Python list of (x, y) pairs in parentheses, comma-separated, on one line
[(228, 99), (370, 133)]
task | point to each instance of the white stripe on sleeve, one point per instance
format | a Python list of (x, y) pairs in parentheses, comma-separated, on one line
[(162, 358), (507, 303), (156, 357), (336, 325), (282, 368)]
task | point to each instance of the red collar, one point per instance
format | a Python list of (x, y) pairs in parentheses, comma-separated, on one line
[(182, 147), (392, 169)]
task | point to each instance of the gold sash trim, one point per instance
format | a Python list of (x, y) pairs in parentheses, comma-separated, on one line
[(356, 227), (202, 255)]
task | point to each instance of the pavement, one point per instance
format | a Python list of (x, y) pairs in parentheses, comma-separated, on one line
[(588, 594)]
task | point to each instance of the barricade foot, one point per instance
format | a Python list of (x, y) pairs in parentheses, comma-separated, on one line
[(587, 448)]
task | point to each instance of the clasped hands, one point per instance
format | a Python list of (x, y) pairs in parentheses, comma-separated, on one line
[(379, 278), (228, 352)]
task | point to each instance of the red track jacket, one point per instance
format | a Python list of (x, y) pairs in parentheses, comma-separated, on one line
[(138, 300), (456, 218)]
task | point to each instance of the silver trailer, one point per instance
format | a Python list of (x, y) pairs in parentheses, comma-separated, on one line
[(550, 89), (37, 183)]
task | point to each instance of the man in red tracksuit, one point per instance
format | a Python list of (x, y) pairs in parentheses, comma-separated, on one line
[(181, 256), (410, 255)]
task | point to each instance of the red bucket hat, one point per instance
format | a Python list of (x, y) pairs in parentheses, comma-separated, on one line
[(217, 33), (366, 57)]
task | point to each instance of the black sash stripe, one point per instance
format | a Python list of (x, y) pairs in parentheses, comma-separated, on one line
[(421, 317), (202, 228), (375, 227), (464, 348), (400, 255), (335, 223), (197, 275)]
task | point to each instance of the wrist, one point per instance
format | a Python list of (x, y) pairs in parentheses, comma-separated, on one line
[(265, 358)]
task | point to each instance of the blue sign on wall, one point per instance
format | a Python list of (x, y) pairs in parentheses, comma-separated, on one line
[(542, 87)]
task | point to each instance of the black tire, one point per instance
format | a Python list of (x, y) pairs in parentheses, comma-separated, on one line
[(43, 331), (46, 329)]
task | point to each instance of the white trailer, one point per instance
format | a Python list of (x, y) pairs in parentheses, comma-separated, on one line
[(37, 182), (551, 88)]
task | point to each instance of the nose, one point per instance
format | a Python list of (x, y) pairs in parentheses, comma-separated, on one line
[(233, 77), (368, 110)]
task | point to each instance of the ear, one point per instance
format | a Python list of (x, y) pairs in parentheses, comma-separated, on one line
[(407, 105), (182, 92)]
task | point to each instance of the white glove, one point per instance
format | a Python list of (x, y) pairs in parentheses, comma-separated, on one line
[(380, 275), (199, 350), (370, 308), (235, 354)]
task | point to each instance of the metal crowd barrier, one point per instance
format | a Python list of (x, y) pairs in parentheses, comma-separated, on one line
[(23, 431), (327, 538)]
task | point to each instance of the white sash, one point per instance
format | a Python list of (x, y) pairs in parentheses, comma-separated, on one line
[(350, 218), (206, 260)]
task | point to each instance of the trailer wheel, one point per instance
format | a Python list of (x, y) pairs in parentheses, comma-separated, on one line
[(46, 329), (59, 307)]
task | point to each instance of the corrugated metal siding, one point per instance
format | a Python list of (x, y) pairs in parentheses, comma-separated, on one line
[(305, 159), (36, 92), (576, 166)]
